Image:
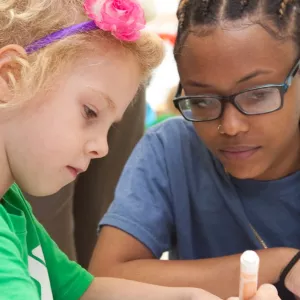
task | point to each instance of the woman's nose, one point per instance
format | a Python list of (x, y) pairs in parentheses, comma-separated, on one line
[(233, 121)]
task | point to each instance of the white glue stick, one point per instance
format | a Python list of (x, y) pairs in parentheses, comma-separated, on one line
[(248, 275)]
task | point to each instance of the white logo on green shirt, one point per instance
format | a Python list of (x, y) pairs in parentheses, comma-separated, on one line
[(39, 272)]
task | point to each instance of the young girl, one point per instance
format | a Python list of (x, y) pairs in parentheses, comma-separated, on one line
[(64, 80), (226, 178)]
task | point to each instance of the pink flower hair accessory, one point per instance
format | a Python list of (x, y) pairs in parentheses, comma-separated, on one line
[(123, 18)]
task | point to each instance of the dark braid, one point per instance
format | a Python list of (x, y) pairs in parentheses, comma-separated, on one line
[(237, 9), (244, 3), (283, 7), (203, 8), (207, 11), (281, 18), (181, 13)]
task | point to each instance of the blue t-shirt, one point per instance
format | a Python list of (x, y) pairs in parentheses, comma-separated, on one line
[(174, 195)]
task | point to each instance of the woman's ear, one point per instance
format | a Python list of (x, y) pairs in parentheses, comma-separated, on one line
[(9, 69)]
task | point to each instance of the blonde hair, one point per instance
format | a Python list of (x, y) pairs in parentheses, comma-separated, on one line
[(24, 21)]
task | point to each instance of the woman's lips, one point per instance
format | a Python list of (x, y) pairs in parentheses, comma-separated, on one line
[(239, 152)]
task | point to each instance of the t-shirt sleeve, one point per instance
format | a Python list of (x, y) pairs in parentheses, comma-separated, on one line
[(142, 203), (69, 281), (15, 281)]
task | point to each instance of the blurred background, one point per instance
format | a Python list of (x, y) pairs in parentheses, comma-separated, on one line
[(164, 81)]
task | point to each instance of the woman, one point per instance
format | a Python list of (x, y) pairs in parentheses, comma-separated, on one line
[(226, 178)]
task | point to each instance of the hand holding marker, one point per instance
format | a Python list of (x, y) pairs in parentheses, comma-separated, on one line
[(248, 275)]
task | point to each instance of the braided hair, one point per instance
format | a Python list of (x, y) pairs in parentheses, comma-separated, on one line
[(279, 17)]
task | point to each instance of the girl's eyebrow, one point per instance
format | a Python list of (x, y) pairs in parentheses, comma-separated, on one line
[(104, 96), (110, 102)]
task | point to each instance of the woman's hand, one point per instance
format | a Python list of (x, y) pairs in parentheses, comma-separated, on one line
[(265, 292)]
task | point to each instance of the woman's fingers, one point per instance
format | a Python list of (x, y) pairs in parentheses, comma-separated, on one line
[(265, 292)]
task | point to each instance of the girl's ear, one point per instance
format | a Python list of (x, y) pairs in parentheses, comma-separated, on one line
[(9, 69)]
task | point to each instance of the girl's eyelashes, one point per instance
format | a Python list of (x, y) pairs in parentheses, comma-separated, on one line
[(89, 112)]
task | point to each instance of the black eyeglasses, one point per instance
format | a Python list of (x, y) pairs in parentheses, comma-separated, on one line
[(259, 100)]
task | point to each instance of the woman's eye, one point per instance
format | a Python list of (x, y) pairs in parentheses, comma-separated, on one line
[(204, 103), (89, 113), (259, 95)]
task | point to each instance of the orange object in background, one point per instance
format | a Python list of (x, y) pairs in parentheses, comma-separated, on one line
[(168, 37)]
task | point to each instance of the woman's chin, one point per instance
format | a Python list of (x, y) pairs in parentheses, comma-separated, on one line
[(243, 172)]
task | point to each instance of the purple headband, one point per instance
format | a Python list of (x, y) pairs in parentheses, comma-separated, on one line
[(123, 18), (61, 34)]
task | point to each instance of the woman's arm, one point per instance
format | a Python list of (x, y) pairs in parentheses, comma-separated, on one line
[(118, 254), (117, 289)]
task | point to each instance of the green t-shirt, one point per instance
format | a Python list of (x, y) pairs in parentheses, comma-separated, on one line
[(31, 265)]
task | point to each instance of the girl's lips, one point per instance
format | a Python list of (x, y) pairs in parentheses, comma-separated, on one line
[(74, 171), (239, 153)]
